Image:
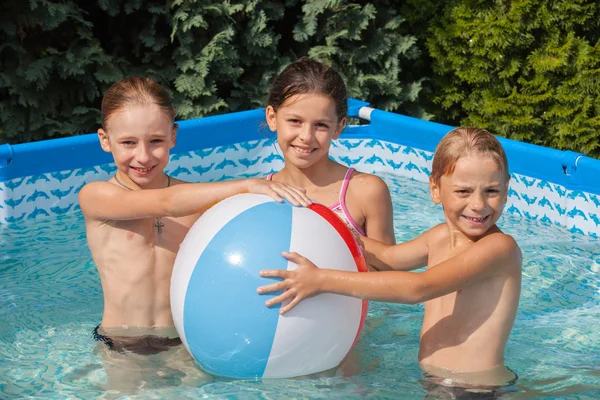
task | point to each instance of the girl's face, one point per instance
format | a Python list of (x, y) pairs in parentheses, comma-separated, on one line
[(305, 125), (474, 195), (139, 138)]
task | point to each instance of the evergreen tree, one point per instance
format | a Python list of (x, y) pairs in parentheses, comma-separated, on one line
[(526, 69), (368, 45), (57, 58)]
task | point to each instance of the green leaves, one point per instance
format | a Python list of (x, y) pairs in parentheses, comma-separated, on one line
[(524, 69), (212, 56)]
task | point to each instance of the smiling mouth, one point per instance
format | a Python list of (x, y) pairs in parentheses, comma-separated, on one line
[(476, 220), (142, 170), (303, 150)]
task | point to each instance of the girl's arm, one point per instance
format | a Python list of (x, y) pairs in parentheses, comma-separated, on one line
[(376, 204), (497, 253), (371, 193), (106, 201)]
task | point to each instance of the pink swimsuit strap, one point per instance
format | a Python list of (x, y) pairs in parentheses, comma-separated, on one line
[(340, 207), (341, 204)]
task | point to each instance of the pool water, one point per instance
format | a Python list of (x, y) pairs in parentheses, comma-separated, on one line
[(51, 299)]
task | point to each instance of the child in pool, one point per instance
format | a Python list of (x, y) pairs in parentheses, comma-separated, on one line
[(472, 286), (307, 107), (136, 221)]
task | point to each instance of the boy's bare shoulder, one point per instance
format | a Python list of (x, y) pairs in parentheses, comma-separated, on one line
[(175, 181), (95, 195), (502, 250), (501, 243), (96, 185), (91, 189), (496, 245), (437, 235)]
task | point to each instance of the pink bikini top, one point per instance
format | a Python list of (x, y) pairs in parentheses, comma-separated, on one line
[(340, 207)]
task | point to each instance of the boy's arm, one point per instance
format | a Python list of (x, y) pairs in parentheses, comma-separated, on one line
[(495, 254), (402, 257), (103, 200)]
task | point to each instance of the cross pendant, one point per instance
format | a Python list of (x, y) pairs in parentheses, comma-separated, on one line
[(159, 224)]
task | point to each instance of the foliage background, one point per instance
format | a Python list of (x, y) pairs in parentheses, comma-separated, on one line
[(525, 69)]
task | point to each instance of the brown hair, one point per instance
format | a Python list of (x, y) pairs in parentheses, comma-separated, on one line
[(304, 76), (135, 90), (462, 142)]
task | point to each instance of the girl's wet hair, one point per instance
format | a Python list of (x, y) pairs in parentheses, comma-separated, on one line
[(306, 76), (135, 90), (462, 142)]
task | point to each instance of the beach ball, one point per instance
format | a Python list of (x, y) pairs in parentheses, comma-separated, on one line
[(224, 323)]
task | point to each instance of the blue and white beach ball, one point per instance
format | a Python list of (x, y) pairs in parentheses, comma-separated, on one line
[(225, 324)]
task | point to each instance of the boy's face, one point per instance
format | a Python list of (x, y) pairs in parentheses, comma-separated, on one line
[(139, 138), (305, 125), (473, 197)]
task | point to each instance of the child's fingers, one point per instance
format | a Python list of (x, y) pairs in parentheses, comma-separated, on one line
[(274, 273), (293, 257), (283, 192), (298, 200), (301, 196), (273, 287), (274, 195), (298, 196), (280, 299), (294, 195), (289, 306)]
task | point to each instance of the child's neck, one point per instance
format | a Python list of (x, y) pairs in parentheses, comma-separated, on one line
[(161, 181), (459, 239), (318, 175)]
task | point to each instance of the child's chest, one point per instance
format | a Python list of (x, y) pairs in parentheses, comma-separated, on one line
[(440, 252), (164, 233), (447, 304), (467, 301)]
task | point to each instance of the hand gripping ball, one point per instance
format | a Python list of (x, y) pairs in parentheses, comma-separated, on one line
[(225, 324)]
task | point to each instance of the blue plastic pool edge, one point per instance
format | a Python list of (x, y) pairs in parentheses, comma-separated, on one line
[(564, 173), (572, 170)]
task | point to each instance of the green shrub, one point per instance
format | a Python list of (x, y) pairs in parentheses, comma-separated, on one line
[(59, 57), (525, 69)]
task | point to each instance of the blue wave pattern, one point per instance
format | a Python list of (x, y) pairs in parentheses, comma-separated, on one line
[(251, 159), (52, 194), (56, 193)]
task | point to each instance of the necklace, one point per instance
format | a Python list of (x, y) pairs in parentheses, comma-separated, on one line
[(158, 224)]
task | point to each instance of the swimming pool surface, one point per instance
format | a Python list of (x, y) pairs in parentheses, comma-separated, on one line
[(51, 299)]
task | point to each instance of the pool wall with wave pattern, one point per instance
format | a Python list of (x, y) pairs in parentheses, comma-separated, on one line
[(42, 179)]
